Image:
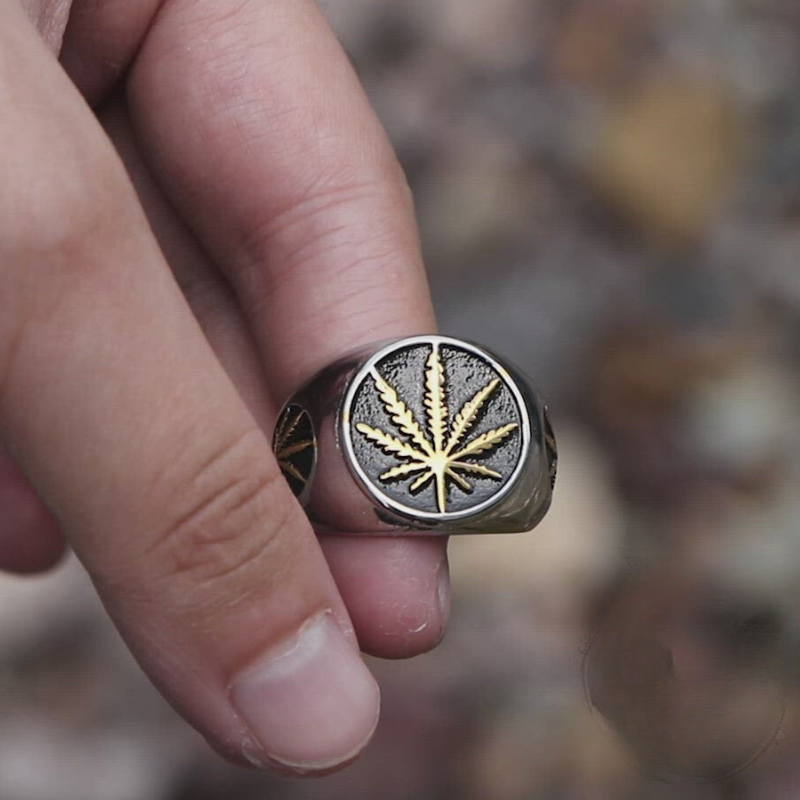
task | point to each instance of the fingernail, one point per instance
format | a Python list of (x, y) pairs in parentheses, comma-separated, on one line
[(443, 591), (311, 704)]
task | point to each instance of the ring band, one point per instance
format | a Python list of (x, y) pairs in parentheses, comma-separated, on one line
[(425, 434)]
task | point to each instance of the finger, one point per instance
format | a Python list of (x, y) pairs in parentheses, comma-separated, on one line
[(208, 293), (113, 404), (261, 134), (100, 40), (30, 540), (399, 589)]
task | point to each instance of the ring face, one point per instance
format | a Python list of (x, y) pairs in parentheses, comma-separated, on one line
[(435, 428)]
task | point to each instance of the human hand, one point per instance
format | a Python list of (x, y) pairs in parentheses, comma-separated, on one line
[(158, 297)]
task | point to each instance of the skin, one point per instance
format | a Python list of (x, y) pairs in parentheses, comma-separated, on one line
[(198, 210)]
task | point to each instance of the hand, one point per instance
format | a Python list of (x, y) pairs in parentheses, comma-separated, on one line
[(241, 222)]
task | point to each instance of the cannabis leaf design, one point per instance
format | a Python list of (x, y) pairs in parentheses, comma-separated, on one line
[(283, 445), (440, 454)]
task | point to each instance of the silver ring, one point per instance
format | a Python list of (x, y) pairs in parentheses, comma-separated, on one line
[(425, 434)]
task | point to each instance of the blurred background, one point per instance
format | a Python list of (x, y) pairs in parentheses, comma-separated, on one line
[(609, 195)]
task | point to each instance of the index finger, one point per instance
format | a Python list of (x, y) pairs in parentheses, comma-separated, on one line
[(264, 138)]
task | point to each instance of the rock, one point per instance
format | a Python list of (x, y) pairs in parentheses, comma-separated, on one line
[(668, 155)]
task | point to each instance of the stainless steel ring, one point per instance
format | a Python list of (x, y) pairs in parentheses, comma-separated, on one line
[(425, 434)]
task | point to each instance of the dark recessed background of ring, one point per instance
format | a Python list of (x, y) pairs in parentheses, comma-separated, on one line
[(465, 374)]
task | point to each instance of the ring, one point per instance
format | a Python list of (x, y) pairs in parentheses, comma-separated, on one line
[(424, 434)]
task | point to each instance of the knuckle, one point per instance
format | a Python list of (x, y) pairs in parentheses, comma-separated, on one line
[(353, 223), (230, 518), (56, 223), (59, 196), (51, 225)]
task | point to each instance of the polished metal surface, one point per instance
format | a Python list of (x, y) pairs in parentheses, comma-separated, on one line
[(425, 434)]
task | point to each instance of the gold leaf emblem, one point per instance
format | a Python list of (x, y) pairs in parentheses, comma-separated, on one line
[(444, 453)]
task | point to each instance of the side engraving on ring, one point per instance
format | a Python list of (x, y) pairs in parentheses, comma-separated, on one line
[(551, 448), (409, 445), (294, 445)]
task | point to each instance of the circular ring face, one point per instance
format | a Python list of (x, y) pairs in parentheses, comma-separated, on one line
[(435, 428)]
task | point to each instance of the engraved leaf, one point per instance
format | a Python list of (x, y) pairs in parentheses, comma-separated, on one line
[(435, 399), (391, 444), (294, 434), (295, 448), (287, 466), (479, 469), (421, 481), (441, 491), (465, 485), (485, 441), (400, 413), (465, 417), (286, 428), (403, 469), (430, 452)]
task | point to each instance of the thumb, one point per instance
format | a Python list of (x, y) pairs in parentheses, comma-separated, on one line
[(114, 406)]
